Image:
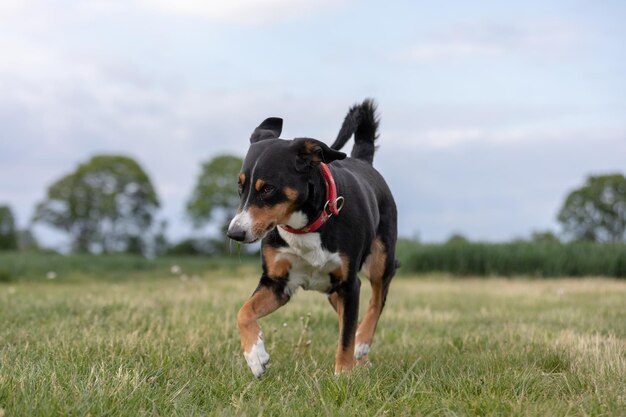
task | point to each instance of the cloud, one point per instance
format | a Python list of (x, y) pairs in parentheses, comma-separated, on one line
[(431, 51), (441, 138), (488, 40), (473, 168), (70, 88), (58, 108), (492, 191), (244, 12), (9, 7), (253, 12)]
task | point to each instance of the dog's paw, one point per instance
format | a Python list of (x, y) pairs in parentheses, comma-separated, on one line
[(257, 358), (361, 350), (364, 362), (343, 369)]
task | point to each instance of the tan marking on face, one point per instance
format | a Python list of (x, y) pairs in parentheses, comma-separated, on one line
[(261, 303), (291, 193), (242, 178), (276, 268), (259, 184), (266, 218), (341, 272)]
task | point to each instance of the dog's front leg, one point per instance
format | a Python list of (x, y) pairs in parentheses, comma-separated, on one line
[(348, 311), (263, 302)]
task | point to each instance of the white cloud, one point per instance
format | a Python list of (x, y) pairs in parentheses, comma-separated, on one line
[(537, 39), (61, 101), (492, 190), (246, 12), (241, 11), (9, 7), (444, 138), (444, 50), (58, 108)]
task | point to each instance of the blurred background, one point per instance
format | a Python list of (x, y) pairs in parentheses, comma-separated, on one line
[(502, 123)]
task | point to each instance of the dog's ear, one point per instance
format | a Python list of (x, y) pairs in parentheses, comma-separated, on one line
[(270, 128), (312, 151)]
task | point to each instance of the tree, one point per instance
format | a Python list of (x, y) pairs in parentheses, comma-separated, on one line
[(189, 246), (597, 210), (214, 198), (107, 204), (8, 234), (457, 239), (26, 241), (159, 240), (544, 236)]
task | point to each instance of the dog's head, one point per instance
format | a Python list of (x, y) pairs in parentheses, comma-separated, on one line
[(274, 179)]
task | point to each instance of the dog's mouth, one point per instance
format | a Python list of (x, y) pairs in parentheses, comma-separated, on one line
[(256, 239), (267, 230), (245, 240)]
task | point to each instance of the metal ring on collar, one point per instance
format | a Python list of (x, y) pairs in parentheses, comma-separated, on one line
[(338, 203)]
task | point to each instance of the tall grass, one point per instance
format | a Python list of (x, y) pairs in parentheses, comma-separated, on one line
[(541, 259)]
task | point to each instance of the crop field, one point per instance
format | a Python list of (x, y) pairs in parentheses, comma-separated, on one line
[(161, 343)]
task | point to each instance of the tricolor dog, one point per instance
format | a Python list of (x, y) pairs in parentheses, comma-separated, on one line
[(322, 218)]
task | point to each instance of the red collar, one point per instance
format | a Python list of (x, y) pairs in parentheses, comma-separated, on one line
[(333, 204)]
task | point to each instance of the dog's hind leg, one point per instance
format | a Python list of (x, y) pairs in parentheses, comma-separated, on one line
[(379, 268), (264, 301), (348, 312)]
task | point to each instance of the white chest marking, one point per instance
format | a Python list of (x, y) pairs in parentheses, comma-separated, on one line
[(310, 263)]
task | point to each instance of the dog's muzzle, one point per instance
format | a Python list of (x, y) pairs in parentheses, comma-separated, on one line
[(240, 228)]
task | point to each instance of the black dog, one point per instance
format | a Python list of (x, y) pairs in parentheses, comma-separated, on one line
[(320, 225)]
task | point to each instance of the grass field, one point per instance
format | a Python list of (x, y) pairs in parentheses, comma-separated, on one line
[(153, 343)]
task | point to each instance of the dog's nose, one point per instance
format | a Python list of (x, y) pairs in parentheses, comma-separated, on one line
[(236, 234)]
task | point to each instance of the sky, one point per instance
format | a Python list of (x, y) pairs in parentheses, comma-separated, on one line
[(491, 111)]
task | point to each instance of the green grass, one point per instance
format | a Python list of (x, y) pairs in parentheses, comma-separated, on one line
[(156, 343)]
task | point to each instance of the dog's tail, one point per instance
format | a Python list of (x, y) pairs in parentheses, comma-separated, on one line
[(362, 121)]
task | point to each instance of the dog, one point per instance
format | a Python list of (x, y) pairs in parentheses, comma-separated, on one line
[(322, 218)]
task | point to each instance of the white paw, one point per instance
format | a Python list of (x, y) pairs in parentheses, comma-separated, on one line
[(257, 357), (361, 350)]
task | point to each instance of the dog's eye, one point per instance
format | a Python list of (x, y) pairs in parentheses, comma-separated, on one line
[(239, 188), (267, 190)]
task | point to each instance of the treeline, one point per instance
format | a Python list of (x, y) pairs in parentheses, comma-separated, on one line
[(535, 259), (108, 204)]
